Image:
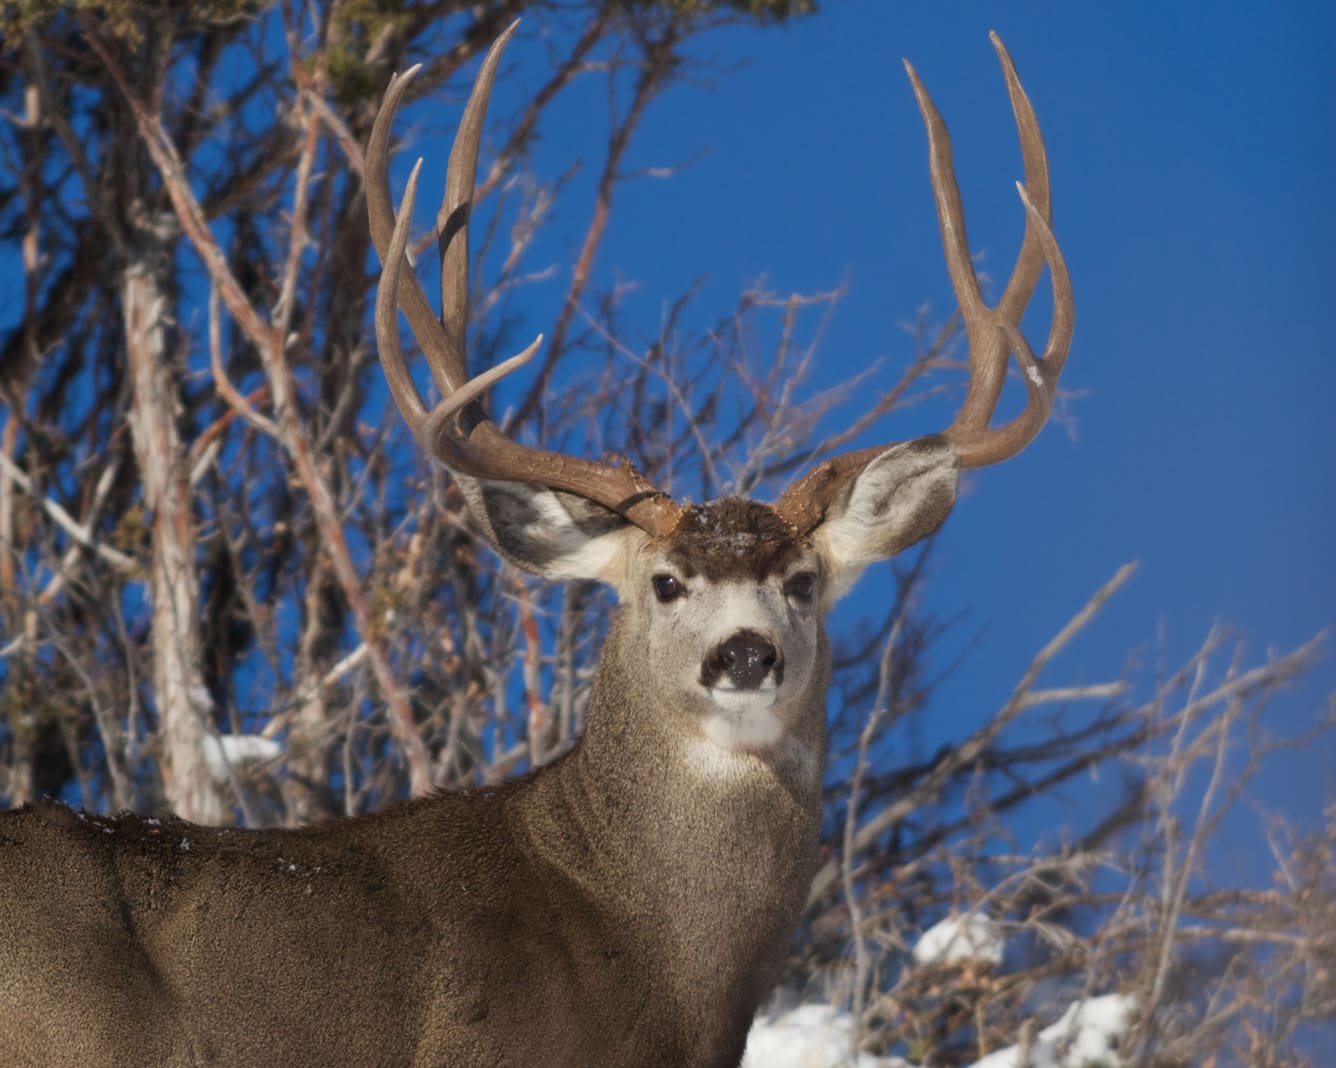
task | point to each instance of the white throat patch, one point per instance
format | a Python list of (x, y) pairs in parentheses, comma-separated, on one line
[(738, 734), (743, 719), (720, 757)]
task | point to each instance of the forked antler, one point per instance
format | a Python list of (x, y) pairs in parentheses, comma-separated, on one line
[(991, 333), (460, 435), (456, 430)]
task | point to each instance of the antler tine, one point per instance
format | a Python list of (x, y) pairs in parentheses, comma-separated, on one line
[(986, 377), (442, 340), (984, 446), (388, 298), (426, 426), (992, 334), (1030, 260), (467, 442), (447, 367), (452, 221)]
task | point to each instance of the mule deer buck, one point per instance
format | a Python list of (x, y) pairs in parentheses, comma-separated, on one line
[(626, 905)]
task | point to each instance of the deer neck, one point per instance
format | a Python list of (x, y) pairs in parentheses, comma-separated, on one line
[(706, 862), (646, 758)]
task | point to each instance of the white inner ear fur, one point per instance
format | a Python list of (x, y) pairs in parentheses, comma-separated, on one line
[(576, 554), (899, 498), (548, 541)]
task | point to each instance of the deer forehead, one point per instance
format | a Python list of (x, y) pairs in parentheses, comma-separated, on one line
[(733, 540)]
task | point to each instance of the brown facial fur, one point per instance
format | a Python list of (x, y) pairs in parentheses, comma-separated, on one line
[(733, 539)]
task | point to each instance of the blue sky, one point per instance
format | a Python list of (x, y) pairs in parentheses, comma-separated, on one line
[(1192, 158)]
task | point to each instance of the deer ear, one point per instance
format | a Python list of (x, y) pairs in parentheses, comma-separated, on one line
[(546, 532), (896, 500)]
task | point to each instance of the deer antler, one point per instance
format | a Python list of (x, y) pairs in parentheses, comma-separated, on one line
[(992, 334), (457, 431)]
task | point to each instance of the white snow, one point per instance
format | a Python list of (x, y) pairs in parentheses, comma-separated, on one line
[(972, 937), (1091, 1032), (1088, 1035), (809, 1036), (1094, 1028), (238, 750)]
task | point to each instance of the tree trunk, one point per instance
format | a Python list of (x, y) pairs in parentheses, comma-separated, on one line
[(184, 706), (307, 791), (15, 618)]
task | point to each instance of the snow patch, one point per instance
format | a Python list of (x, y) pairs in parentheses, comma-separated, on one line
[(972, 937), (238, 751), (1088, 1035), (810, 1036), (1091, 1032)]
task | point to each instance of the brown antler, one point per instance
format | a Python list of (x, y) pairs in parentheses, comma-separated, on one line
[(991, 333), (456, 431)]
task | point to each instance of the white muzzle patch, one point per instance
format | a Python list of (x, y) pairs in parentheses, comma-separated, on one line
[(744, 720)]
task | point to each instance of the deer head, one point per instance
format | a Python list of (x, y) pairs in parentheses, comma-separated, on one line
[(725, 598)]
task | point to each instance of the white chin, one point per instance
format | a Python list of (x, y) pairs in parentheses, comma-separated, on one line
[(743, 720), (740, 702)]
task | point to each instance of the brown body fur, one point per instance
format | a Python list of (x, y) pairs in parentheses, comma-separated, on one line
[(601, 911)]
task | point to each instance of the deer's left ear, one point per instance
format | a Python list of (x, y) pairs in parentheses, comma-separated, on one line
[(896, 500)]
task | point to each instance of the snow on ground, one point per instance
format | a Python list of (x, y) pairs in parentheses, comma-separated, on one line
[(1088, 1035), (810, 1036), (239, 750), (972, 937)]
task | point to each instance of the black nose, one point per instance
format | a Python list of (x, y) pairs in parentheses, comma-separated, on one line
[(746, 658)]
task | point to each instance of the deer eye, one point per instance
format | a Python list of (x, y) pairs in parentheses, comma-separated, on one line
[(801, 587), (667, 588)]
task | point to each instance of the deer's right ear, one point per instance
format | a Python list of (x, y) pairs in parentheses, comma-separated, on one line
[(899, 498), (546, 532)]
